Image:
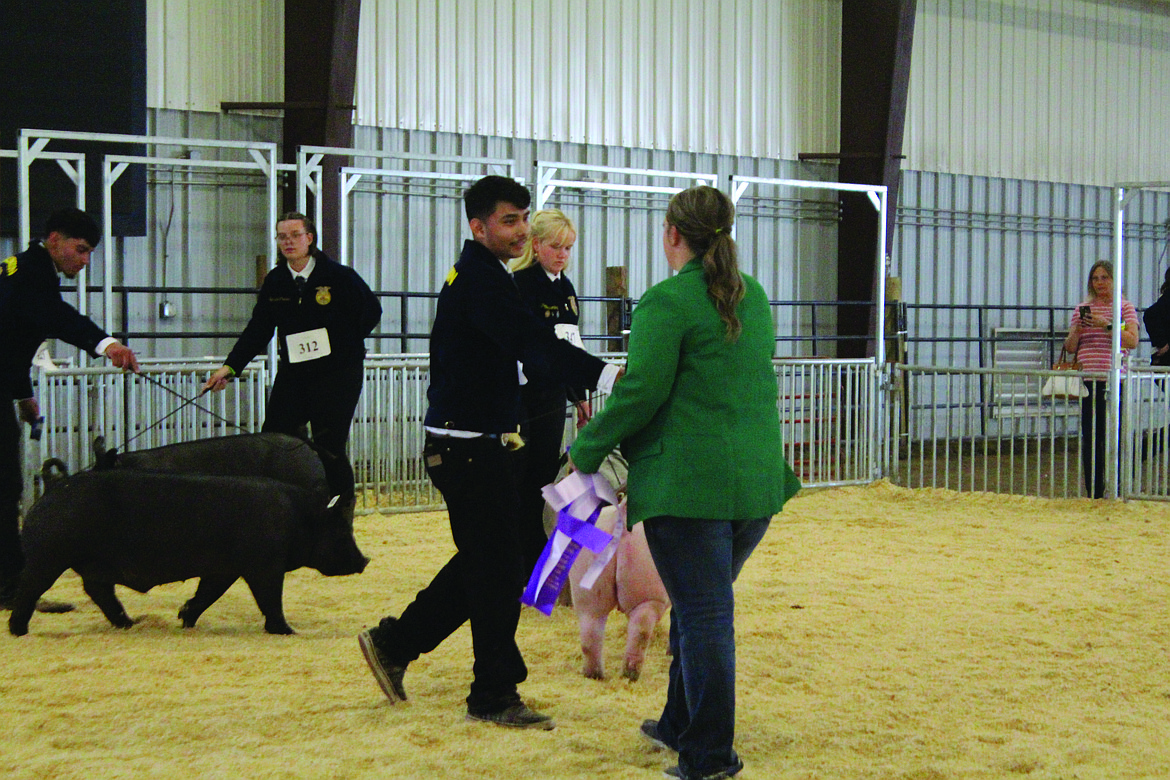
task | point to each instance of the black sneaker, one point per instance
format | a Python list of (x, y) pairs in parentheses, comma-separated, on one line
[(722, 774), (517, 716), (388, 675), (649, 732)]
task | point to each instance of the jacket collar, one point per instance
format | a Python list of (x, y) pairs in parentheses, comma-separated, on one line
[(474, 251), (37, 247)]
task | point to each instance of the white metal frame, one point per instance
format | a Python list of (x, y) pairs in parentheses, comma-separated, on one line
[(31, 146), (73, 164), (349, 177), (547, 180), (309, 173), (878, 196), (114, 165), (1123, 193)]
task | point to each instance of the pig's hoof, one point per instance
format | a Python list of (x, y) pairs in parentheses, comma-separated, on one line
[(123, 622), (17, 629), (632, 673), (593, 674), (282, 628)]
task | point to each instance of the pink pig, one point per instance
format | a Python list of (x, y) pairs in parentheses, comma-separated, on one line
[(629, 582)]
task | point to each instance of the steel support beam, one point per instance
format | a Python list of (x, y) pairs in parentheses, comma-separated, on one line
[(876, 39), (320, 67)]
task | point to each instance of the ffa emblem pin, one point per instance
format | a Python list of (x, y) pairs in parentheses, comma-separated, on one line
[(323, 296), (573, 303)]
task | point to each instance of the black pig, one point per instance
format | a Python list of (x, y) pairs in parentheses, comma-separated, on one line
[(141, 528), (276, 455)]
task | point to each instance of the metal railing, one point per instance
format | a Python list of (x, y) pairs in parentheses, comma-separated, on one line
[(950, 429), (140, 411), (386, 441), (843, 422), (829, 420), (830, 424), (1145, 452)]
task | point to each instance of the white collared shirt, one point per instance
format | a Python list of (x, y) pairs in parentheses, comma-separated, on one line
[(304, 272)]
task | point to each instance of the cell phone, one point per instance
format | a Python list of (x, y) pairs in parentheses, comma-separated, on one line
[(1086, 312)]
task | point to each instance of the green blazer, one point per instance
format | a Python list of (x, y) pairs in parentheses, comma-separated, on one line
[(696, 415)]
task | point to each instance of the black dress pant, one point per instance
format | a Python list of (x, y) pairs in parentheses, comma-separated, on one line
[(482, 582), (326, 402)]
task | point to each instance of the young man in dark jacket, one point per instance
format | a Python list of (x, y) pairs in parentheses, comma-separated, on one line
[(482, 329), (32, 310)]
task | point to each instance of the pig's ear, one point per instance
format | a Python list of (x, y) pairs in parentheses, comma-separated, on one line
[(332, 502)]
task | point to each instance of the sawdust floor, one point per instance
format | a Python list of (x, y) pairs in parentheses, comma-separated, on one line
[(883, 633)]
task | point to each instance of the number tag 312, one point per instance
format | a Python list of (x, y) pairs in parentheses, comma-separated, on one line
[(307, 345)]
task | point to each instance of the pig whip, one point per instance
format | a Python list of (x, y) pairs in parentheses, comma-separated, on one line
[(186, 402)]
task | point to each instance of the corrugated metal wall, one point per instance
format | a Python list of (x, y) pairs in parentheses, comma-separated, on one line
[(744, 77), (959, 240), (1051, 90), (407, 237), (1055, 90), (965, 240), (202, 53)]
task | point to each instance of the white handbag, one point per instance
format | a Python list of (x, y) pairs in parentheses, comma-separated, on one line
[(1065, 387)]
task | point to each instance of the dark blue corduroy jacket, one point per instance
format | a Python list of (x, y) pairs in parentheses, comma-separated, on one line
[(482, 328)]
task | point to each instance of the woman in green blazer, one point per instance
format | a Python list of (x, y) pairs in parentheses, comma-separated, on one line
[(696, 417)]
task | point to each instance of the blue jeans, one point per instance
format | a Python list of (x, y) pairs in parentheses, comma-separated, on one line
[(698, 561)]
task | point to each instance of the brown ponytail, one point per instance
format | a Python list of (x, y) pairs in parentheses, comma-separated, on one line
[(704, 216)]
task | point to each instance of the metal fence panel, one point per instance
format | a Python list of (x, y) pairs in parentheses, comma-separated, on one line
[(842, 422), (1145, 456), (152, 409), (828, 412), (953, 429), (828, 418), (386, 441)]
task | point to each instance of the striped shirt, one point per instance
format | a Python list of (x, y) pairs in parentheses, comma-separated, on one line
[(1093, 348)]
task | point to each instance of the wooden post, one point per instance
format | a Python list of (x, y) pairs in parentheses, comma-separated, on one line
[(895, 338), (615, 287), (262, 269)]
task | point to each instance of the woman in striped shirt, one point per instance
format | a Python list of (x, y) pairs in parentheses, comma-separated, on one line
[(1090, 338)]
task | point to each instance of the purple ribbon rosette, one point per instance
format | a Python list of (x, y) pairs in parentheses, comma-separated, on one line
[(578, 500)]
